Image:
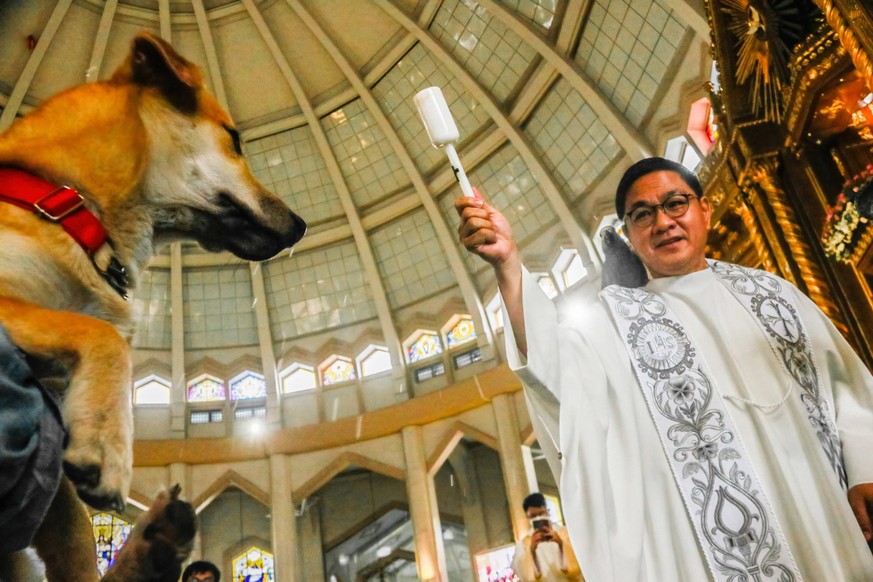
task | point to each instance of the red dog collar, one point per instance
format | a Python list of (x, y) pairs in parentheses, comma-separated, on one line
[(60, 204), (66, 207)]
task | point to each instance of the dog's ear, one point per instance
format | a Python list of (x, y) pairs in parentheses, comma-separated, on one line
[(154, 63)]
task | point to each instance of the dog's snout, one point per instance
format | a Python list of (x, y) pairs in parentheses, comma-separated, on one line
[(286, 222), (298, 229)]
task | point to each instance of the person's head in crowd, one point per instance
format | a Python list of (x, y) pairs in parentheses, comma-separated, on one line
[(201, 571), (534, 506)]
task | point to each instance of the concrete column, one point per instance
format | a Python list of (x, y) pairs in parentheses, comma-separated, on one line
[(283, 523), (511, 461), (530, 469), (474, 514), (429, 552), (178, 393), (311, 549), (265, 343), (178, 473)]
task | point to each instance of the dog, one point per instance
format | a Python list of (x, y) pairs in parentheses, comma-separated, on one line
[(144, 158)]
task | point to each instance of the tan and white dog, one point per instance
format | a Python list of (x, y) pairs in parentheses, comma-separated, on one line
[(155, 159)]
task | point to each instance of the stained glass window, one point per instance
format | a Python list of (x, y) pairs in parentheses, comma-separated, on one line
[(248, 385), (711, 126), (427, 345), (110, 533), (253, 565), (206, 389), (461, 333), (373, 360), (341, 370), (297, 379), (152, 390)]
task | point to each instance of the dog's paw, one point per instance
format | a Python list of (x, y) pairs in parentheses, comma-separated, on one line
[(160, 542), (100, 466), (91, 489)]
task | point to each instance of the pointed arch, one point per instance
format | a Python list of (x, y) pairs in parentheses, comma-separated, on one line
[(340, 464), (451, 437), (229, 479)]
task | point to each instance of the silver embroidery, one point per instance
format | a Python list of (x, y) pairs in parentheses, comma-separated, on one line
[(725, 504), (761, 293)]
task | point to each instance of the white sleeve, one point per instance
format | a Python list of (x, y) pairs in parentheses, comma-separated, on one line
[(540, 370), (523, 563), (852, 394)]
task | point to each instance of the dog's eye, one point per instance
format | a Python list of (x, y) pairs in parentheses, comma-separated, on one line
[(234, 135)]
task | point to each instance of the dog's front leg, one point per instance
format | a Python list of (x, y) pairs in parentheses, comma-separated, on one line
[(96, 405), (158, 544), (65, 541)]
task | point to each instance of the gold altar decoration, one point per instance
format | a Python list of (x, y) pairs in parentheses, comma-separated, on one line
[(763, 31)]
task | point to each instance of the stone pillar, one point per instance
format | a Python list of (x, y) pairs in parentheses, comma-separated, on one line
[(311, 549), (283, 522), (511, 461), (530, 470), (471, 501), (265, 344), (429, 552), (180, 473), (178, 394)]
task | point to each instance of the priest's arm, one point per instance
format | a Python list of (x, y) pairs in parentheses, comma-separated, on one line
[(851, 387)]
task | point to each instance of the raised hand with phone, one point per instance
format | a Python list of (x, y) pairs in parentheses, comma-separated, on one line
[(545, 553)]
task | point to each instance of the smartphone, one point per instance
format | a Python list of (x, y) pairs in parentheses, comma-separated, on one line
[(544, 525)]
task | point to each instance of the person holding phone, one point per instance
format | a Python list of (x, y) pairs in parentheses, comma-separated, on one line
[(545, 553)]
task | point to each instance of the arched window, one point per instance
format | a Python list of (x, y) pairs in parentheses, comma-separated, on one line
[(248, 385), (206, 389), (680, 150), (373, 360), (495, 312), (110, 533), (337, 369), (426, 345), (547, 284), (462, 332), (568, 269), (253, 565), (151, 390), (297, 378)]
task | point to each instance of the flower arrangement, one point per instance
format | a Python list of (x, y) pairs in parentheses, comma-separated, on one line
[(841, 231)]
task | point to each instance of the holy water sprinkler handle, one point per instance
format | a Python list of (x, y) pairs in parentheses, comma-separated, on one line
[(442, 131)]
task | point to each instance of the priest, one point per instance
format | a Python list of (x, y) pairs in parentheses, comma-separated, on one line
[(710, 421)]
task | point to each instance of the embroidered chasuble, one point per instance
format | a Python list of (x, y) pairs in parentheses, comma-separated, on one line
[(626, 513)]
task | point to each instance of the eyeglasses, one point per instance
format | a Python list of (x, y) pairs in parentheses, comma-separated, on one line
[(674, 206)]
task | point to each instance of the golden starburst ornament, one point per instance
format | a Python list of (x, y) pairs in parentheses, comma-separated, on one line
[(764, 30)]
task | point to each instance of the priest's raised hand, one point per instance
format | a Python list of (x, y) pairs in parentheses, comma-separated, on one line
[(486, 232)]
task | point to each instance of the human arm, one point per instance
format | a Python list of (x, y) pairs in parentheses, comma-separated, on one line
[(570, 565), (484, 231), (852, 392), (523, 564)]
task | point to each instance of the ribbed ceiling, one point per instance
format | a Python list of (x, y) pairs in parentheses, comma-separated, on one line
[(552, 98)]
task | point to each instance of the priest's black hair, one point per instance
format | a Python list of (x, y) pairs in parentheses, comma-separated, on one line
[(647, 166)]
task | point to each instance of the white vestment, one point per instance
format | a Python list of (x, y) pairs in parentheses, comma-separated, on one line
[(621, 503)]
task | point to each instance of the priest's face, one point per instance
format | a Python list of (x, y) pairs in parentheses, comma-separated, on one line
[(670, 245)]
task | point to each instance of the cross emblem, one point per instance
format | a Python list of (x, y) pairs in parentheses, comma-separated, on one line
[(779, 319)]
